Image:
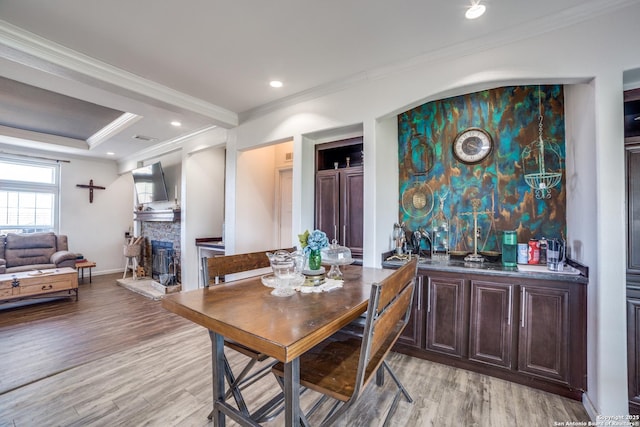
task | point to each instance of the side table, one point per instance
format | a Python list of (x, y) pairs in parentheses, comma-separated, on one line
[(80, 266)]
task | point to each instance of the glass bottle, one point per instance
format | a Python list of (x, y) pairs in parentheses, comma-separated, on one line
[(509, 249), (315, 259), (440, 233)]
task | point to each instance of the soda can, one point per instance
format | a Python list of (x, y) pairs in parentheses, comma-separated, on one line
[(523, 253), (543, 251), (534, 251)]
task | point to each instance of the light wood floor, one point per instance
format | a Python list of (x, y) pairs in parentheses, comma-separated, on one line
[(115, 358)]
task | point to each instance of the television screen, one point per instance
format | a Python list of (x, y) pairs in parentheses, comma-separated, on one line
[(149, 183)]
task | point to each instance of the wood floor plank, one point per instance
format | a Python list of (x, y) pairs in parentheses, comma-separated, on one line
[(115, 358)]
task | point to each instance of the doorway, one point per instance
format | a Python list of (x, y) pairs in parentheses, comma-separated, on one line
[(284, 204)]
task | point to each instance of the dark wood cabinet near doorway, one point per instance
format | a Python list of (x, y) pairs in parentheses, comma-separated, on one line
[(340, 192), (632, 153)]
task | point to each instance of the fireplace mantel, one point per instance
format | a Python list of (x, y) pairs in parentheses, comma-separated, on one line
[(164, 215)]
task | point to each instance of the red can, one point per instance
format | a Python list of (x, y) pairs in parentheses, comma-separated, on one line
[(534, 251)]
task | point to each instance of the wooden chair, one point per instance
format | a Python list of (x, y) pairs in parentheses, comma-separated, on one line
[(214, 271), (343, 365)]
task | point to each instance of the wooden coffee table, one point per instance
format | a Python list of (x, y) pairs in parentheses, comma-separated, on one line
[(29, 284)]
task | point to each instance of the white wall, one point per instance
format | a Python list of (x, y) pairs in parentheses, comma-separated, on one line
[(255, 201), (202, 193), (597, 51), (581, 200), (96, 229), (203, 206)]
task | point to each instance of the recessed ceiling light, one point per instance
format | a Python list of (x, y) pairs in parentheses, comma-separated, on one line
[(176, 123), (110, 153), (275, 83), (475, 11)]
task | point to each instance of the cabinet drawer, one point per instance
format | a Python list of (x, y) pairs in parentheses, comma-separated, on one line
[(47, 285), (6, 292)]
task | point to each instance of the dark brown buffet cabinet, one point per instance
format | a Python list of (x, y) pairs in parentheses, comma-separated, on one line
[(528, 328), (632, 150), (340, 192)]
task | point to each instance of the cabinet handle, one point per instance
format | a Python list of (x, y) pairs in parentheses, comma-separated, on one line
[(344, 235), (335, 232), (419, 293), (509, 307), (47, 287), (429, 299), (522, 307)]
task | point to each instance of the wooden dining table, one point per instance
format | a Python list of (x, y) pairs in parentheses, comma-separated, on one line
[(281, 327)]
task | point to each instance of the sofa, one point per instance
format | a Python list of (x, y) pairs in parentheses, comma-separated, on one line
[(34, 251)]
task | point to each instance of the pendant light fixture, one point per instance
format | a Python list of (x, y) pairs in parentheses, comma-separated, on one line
[(540, 155)]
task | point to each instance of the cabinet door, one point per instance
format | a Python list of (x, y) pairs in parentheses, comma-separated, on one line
[(352, 207), (413, 332), (491, 323), (445, 315), (327, 202), (633, 213), (543, 347), (633, 353)]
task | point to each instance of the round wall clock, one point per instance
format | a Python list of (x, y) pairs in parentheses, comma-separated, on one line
[(472, 145)]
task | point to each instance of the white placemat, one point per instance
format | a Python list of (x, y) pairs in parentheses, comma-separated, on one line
[(328, 285)]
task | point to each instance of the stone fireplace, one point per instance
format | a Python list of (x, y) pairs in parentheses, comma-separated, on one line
[(163, 262), (161, 249)]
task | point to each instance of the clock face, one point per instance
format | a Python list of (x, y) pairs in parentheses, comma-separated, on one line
[(472, 145)]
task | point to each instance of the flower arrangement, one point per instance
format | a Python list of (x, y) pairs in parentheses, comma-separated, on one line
[(313, 241)]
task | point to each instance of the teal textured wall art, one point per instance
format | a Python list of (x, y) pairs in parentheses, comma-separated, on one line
[(429, 169)]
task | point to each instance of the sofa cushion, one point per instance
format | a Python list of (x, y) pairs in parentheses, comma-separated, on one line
[(32, 248), (30, 267), (2, 240)]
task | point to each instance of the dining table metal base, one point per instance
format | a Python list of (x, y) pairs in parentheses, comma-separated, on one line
[(241, 415)]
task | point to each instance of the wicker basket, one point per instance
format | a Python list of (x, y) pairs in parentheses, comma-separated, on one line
[(131, 250)]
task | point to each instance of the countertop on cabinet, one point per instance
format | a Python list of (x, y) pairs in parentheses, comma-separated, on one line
[(210, 243), (574, 272)]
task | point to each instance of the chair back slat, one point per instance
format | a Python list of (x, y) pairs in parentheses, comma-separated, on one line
[(216, 268), (388, 313), (391, 287), (391, 320)]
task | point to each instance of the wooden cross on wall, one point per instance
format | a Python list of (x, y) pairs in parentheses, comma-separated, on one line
[(91, 187)]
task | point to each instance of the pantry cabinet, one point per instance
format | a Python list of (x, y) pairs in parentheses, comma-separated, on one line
[(339, 202)]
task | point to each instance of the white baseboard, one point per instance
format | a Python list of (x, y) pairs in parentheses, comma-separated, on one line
[(105, 272), (589, 407)]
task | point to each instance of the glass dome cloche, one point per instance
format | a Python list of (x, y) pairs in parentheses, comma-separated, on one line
[(335, 256)]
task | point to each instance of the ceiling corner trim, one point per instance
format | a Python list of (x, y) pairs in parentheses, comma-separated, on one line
[(166, 147), (10, 134), (34, 46), (113, 128)]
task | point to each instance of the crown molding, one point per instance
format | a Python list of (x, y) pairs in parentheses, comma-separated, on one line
[(164, 147), (23, 137), (35, 51), (542, 25)]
